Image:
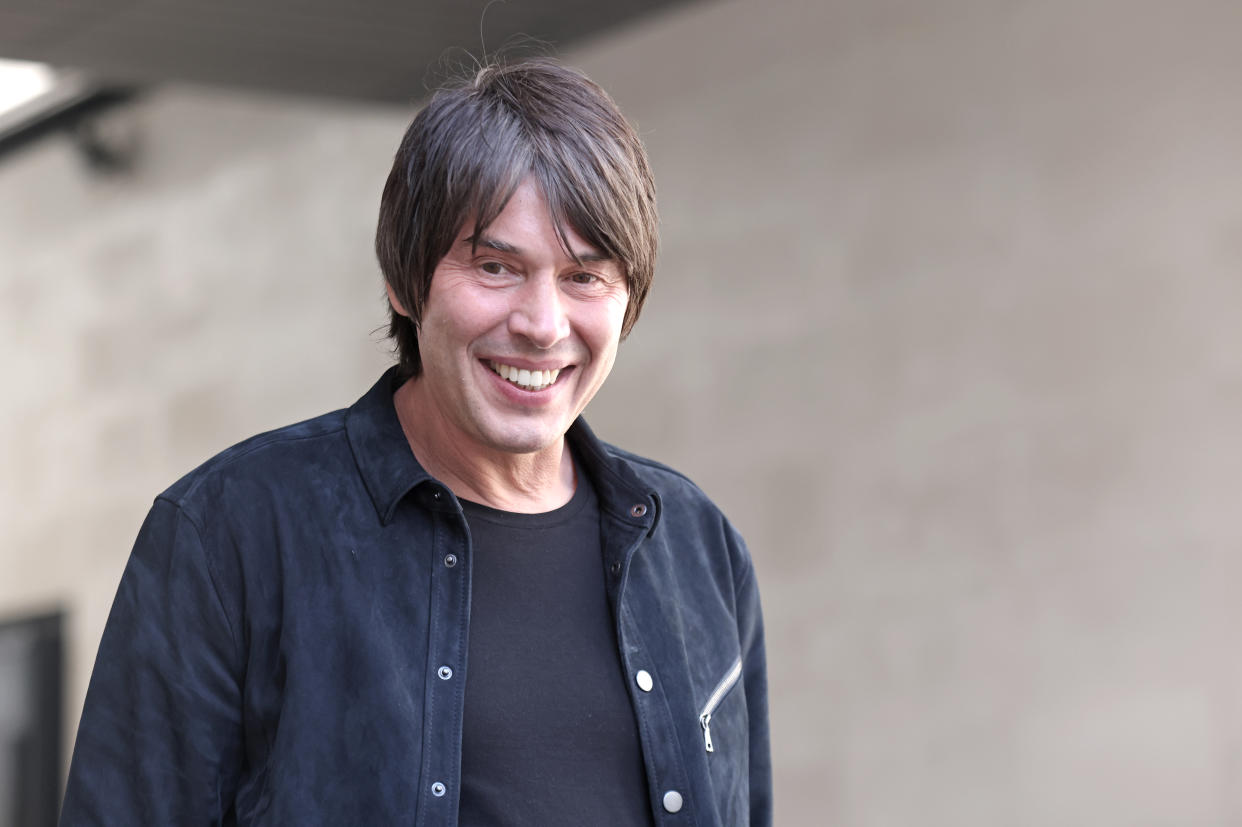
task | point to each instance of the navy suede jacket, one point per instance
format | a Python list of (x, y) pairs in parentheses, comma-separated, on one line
[(276, 652)]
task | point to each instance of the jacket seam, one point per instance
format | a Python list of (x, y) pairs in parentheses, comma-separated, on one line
[(212, 575), (747, 575)]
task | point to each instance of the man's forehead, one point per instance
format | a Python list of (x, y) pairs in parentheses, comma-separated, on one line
[(483, 238)]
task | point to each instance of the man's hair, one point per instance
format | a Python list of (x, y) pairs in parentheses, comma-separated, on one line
[(470, 148)]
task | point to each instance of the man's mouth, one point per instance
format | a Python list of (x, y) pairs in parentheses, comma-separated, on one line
[(527, 380)]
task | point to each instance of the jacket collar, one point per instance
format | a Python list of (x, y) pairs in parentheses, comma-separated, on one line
[(383, 454), (390, 470), (617, 485)]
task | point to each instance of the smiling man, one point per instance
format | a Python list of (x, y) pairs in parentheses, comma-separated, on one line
[(450, 603), (519, 329)]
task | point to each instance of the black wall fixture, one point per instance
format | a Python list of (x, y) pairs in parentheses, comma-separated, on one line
[(74, 112)]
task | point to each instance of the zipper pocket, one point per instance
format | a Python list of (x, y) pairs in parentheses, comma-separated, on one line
[(713, 701)]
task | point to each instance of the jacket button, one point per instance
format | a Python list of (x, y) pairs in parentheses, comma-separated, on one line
[(450, 560), (437, 789), (644, 681), (615, 568), (445, 673), (672, 801), (638, 510), (435, 496)]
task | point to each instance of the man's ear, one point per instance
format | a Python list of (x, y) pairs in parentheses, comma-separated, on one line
[(395, 302)]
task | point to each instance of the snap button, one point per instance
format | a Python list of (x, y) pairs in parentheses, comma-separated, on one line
[(644, 681), (444, 672), (450, 560), (435, 495), (615, 567), (672, 801), (638, 510), (437, 789)]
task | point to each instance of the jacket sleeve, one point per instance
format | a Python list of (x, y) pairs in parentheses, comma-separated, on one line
[(755, 684), (160, 740)]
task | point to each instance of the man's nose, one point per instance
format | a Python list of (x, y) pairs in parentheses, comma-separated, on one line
[(538, 313)]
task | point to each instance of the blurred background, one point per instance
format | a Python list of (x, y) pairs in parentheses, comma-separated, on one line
[(946, 319)]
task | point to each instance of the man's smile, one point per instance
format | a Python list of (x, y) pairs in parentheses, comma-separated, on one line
[(528, 380)]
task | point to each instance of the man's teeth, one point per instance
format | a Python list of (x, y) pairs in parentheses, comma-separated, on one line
[(531, 380)]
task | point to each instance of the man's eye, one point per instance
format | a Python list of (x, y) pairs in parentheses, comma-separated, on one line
[(492, 268), (584, 278)]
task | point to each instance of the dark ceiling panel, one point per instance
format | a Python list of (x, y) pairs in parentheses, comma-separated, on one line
[(382, 50)]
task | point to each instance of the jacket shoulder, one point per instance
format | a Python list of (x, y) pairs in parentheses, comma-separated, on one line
[(280, 453), (662, 478)]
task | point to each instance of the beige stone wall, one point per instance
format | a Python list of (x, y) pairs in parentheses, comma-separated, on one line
[(949, 324), (946, 319), (148, 321)]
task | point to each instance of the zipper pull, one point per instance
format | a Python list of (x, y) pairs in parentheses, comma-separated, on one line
[(706, 722)]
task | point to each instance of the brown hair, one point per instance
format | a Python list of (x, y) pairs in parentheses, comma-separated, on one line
[(473, 145)]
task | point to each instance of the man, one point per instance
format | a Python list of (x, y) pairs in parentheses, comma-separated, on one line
[(450, 603)]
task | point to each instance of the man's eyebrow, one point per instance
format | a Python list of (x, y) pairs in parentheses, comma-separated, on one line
[(491, 243), (585, 256)]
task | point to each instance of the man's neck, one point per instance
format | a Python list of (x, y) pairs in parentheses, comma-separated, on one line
[(528, 483)]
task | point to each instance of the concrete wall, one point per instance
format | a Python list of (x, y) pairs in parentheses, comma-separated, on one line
[(945, 319)]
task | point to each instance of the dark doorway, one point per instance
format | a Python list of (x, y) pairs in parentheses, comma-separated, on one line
[(31, 692)]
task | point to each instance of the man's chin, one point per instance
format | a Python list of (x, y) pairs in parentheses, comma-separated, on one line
[(524, 440)]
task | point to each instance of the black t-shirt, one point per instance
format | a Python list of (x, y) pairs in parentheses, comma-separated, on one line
[(549, 736)]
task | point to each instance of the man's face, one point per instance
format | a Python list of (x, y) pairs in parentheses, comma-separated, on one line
[(516, 337)]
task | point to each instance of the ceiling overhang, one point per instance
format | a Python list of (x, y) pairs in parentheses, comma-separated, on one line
[(375, 50)]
